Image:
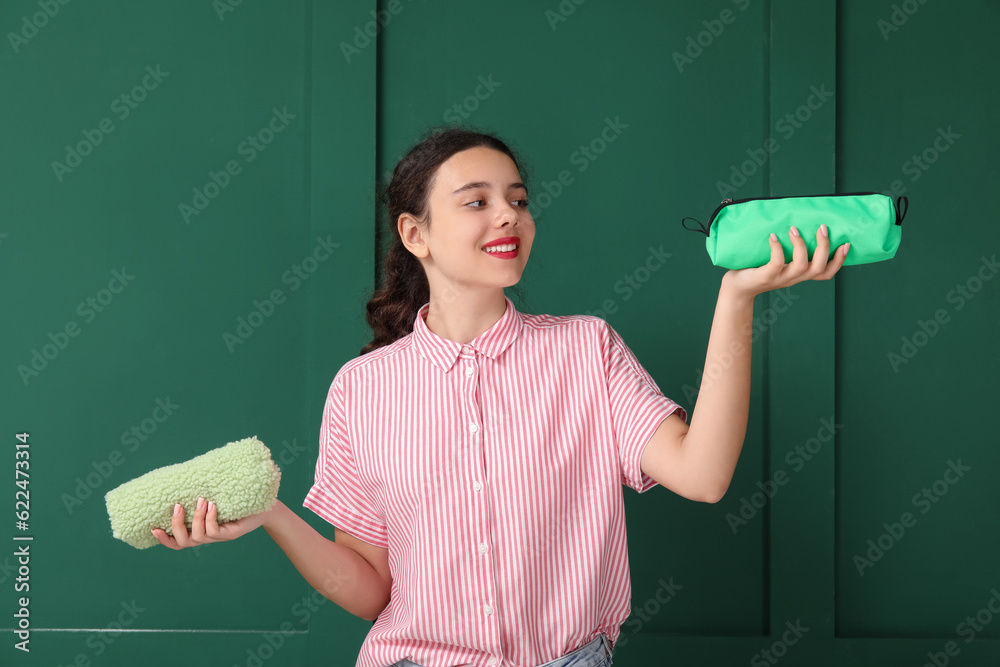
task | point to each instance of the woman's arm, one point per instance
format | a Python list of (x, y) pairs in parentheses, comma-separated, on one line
[(698, 461), (339, 572), (349, 572)]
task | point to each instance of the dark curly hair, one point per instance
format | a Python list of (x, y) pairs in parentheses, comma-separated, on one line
[(404, 287)]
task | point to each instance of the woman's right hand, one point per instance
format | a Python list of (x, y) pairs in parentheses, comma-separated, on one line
[(205, 527)]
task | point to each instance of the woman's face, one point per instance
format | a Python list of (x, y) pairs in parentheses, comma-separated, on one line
[(476, 198)]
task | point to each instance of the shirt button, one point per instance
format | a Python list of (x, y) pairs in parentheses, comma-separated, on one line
[(492, 660), (473, 428), (469, 371), (482, 547), (477, 486), (487, 609)]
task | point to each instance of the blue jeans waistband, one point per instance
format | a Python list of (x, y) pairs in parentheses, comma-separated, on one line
[(595, 653)]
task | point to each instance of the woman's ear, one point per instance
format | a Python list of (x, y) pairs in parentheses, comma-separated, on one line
[(411, 233)]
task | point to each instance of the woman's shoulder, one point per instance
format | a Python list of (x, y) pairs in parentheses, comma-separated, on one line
[(546, 320), (372, 360), (558, 323)]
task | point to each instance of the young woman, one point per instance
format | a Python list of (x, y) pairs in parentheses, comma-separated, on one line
[(472, 458)]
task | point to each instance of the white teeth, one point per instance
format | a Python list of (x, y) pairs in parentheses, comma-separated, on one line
[(501, 248)]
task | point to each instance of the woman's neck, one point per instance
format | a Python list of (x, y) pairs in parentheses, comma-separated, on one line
[(463, 317)]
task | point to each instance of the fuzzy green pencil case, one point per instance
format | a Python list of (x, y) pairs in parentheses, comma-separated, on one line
[(240, 478), (737, 233)]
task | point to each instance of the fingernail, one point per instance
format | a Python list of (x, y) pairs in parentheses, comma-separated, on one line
[(177, 509), (201, 503), (845, 248), (773, 237), (823, 229), (211, 506), (795, 231)]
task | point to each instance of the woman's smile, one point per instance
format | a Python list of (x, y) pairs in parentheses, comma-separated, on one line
[(503, 248)]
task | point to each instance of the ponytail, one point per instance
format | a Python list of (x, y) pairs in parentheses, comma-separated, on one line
[(394, 306)]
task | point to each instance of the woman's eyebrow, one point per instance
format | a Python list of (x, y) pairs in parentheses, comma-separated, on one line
[(483, 184)]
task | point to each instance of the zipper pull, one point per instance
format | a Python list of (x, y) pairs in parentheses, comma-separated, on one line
[(727, 201)]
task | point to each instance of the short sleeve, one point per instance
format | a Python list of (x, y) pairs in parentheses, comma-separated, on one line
[(637, 406), (338, 493)]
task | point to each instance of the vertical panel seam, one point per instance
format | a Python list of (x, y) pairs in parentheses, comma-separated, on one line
[(766, 345), (310, 317), (377, 245)]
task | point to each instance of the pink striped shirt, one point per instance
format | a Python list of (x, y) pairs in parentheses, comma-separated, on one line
[(493, 473)]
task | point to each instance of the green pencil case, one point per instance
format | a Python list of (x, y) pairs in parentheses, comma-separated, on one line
[(739, 229), (240, 478)]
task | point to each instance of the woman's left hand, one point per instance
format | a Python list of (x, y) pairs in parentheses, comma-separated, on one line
[(776, 274)]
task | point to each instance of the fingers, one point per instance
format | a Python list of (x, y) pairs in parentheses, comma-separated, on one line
[(164, 539), (198, 522), (179, 540), (776, 274), (777, 252), (834, 265), (179, 527), (212, 521), (204, 527), (827, 267), (821, 267), (821, 255), (770, 271), (205, 523), (800, 254)]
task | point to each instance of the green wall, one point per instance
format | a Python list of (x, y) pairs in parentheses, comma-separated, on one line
[(631, 116)]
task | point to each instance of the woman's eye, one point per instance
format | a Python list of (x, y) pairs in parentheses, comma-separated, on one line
[(524, 203)]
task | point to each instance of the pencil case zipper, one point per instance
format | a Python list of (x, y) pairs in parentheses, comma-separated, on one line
[(727, 202)]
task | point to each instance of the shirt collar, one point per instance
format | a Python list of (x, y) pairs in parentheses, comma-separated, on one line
[(442, 352)]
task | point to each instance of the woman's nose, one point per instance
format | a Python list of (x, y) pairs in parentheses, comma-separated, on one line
[(509, 215)]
